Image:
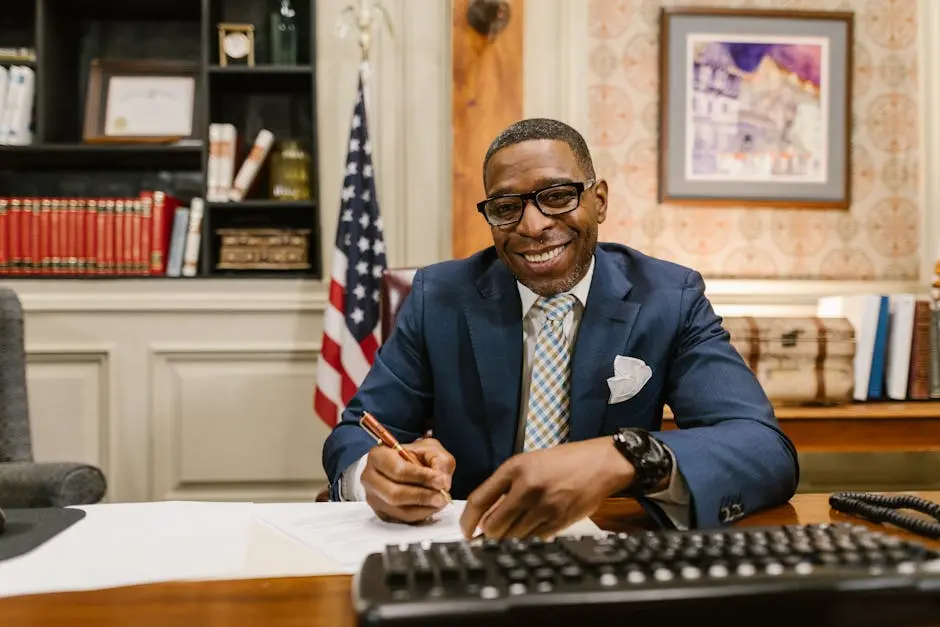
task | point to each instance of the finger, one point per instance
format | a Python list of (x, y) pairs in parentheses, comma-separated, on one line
[(507, 512), (389, 463), (527, 525), (431, 453), (401, 495), (390, 513), (483, 498)]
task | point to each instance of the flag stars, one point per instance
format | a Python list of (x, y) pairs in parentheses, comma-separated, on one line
[(352, 167), (360, 291), (357, 122), (357, 315), (366, 195), (364, 220), (367, 147), (378, 247), (367, 171), (354, 145), (347, 216), (348, 193), (362, 268), (377, 272), (375, 295), (363, 244)]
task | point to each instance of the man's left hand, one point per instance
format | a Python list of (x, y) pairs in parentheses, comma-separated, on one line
[(542, 492)]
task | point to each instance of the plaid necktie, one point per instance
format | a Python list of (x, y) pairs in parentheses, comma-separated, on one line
[(549, 400)]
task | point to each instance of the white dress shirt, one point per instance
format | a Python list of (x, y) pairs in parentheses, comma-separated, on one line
[(674, 499)]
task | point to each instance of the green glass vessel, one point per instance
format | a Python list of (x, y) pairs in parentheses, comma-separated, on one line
[(283, 33)]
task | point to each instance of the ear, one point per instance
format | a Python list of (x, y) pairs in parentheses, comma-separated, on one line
[(600, 200)]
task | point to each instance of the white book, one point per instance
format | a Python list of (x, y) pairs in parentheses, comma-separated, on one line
[(14, 86), (861, 310), (227, 159), (4, 87), (213, 188), (193, 238), (252, 164), (900, 338), (20, 134)]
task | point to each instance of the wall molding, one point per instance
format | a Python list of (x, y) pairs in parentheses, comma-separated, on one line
[(166, 415), (170, 296), (102, 356)]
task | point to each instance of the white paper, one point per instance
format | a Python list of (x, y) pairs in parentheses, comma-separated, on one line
[(347, 533), (133, 543)]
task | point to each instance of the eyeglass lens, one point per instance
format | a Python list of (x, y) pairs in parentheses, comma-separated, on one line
[(552, 201)]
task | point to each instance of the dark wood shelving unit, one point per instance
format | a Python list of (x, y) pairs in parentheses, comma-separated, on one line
[(68, 34)]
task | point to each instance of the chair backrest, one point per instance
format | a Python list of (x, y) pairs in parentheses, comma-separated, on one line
[(396, 285), (15, 442)]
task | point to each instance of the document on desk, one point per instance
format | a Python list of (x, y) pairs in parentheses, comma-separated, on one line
[(135, 543), (347, 533)]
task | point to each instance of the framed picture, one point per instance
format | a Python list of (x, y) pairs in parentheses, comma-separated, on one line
[(151, 101), (755, 107)]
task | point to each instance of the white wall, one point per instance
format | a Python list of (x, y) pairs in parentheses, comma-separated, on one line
[(202, 389)]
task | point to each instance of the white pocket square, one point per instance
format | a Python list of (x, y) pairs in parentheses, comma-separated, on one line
[(630, 375)]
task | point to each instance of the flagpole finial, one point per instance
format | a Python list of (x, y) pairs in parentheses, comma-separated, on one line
[(364, 18)]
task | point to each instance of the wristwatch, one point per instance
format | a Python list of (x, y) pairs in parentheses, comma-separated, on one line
[(651, 461)]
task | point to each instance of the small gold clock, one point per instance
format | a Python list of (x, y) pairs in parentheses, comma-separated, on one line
[(236, 44)]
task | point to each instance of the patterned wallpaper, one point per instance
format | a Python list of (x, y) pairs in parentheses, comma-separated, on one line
[(876, 239)]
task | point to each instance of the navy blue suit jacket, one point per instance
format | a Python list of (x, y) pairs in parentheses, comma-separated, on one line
[(455, 358)]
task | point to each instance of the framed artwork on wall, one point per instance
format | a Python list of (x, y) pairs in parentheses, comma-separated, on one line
[(755, 107)]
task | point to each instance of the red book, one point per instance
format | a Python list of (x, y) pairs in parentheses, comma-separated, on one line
[(164, 206), (90, 227), (4, 235)]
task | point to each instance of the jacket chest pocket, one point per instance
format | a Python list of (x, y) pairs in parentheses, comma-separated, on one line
[(643, 410)]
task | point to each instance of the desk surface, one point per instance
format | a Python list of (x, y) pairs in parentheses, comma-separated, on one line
[(296, 601)]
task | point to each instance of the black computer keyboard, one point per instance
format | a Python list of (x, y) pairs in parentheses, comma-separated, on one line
[(814, 574)]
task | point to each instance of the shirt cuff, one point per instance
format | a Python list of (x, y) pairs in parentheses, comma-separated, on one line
[(350, 482), (674, 499)]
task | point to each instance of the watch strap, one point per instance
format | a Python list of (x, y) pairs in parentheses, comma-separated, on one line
[(652, 462)]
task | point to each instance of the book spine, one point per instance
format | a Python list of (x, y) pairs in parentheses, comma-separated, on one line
[(193, 236), (252, 165), (4, 232), (146, 231), (45, 241), (919, 380)]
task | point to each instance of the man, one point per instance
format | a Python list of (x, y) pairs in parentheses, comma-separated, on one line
[(542, 365)]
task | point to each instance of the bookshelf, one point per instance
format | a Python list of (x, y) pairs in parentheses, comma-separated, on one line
[(280, 97)]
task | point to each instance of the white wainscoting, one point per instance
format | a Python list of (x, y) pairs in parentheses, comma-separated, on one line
[(181, 389)]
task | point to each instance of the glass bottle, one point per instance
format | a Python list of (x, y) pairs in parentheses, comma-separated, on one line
[(283, 33), (290, 172)]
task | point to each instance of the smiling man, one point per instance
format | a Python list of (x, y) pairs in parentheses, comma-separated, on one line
[(543, 363)]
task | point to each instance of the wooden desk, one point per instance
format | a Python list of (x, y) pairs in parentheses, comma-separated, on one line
[(297, 601), (861, 427)]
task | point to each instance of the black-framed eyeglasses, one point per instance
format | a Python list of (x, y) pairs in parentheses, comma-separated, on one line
[(552, 201)]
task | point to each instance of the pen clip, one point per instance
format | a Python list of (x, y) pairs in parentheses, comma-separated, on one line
[(365, 427)]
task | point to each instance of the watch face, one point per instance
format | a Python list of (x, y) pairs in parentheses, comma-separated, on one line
[(631, 438)]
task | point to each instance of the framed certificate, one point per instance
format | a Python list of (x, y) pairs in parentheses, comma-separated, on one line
[(142, 102)]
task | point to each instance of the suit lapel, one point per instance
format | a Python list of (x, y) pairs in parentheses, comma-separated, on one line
[(603, 334), (495, 324)]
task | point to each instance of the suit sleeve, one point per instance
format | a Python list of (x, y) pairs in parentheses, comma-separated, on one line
[(397, 391), (728, 446)]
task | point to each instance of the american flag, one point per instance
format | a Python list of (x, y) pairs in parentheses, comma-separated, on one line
[(351, 326)]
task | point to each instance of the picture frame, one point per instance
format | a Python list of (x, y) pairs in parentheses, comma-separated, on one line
[(755, 107), (142, 101)]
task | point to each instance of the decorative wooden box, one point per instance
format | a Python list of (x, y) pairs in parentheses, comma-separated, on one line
[(264, 249), (798, 361)]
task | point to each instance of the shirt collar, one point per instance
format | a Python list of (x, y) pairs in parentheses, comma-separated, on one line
[(580, 291)]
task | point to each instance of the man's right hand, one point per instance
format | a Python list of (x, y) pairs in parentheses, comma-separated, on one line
[(400, 491)]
